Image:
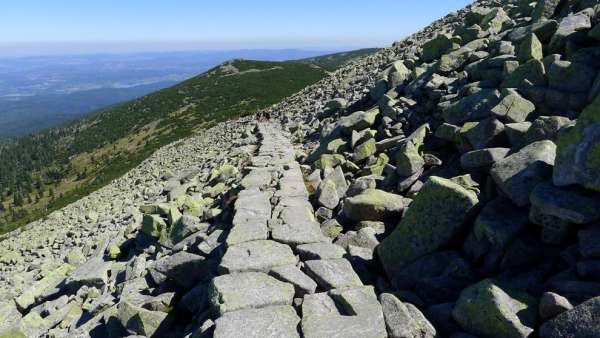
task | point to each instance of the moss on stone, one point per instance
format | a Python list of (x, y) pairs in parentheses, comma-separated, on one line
[(434, 218)]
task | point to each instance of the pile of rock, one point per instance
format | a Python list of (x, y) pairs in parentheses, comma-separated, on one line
[(446, 186), (105, 258), (468, 174)]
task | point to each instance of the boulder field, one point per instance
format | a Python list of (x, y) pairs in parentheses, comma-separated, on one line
[(447, 186)]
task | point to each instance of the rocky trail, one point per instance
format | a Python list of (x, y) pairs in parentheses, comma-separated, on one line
[(447, 186)]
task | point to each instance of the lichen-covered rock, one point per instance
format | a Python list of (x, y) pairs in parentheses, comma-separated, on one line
[(248, 290), (373, 205), (499, 222), (514, 108), (273, 321), (365, 150), (356, 121), (472, 108), (578, 151), (404, 320), (139, 320), (517, 174), (530, 48), (434, 218), (569, 205), (489, 310), (532, 71), (327, 194), (408, 159), (482, 157), (581, 321), (571, 77), (437, 46), (551, 305)]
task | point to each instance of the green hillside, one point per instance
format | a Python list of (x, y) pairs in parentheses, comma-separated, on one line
[(45, 171), (334, 61)]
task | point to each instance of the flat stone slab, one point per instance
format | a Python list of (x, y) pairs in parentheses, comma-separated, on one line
[(327, 315), (255, 201), (269, 322), (298, 233), (248, 290), (93, 273), (322, 250), (292, 274), (256, 256), (258, 178), (332, 273)]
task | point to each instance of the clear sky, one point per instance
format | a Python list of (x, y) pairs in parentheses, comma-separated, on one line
[(54, 26)]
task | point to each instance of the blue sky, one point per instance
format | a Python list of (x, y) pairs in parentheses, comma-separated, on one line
[(31, 26)]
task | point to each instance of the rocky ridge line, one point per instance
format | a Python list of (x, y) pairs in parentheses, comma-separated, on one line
[(456, 171)]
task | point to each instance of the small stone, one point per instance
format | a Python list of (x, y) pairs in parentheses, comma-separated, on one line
[(514, 107), (327, 194), (551, 305), (404, 319), (293, 275), (320, 251)]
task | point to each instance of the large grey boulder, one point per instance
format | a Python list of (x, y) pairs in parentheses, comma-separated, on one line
[(482, 157), (499, 223), (93, 273), (568, 205), (373, 205), (517, 174), (356, 121), (485, 309), (471, 108), (568, 26), (572, 77), (139, 320), (514, 108), (578, 151), (436, 47), (435, 217), (581, 321), (185, 268)]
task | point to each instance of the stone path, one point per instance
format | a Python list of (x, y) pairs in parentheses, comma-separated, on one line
[(280, 276)]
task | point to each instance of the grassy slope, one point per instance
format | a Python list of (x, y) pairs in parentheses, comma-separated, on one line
[(90, 153), (332, 62)]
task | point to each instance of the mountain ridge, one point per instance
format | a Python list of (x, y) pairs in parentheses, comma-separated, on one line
[(437, 188)]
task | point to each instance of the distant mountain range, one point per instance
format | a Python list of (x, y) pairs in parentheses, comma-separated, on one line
[(41, 92)]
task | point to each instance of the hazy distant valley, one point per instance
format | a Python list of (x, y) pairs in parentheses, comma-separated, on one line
[(42, 92)]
